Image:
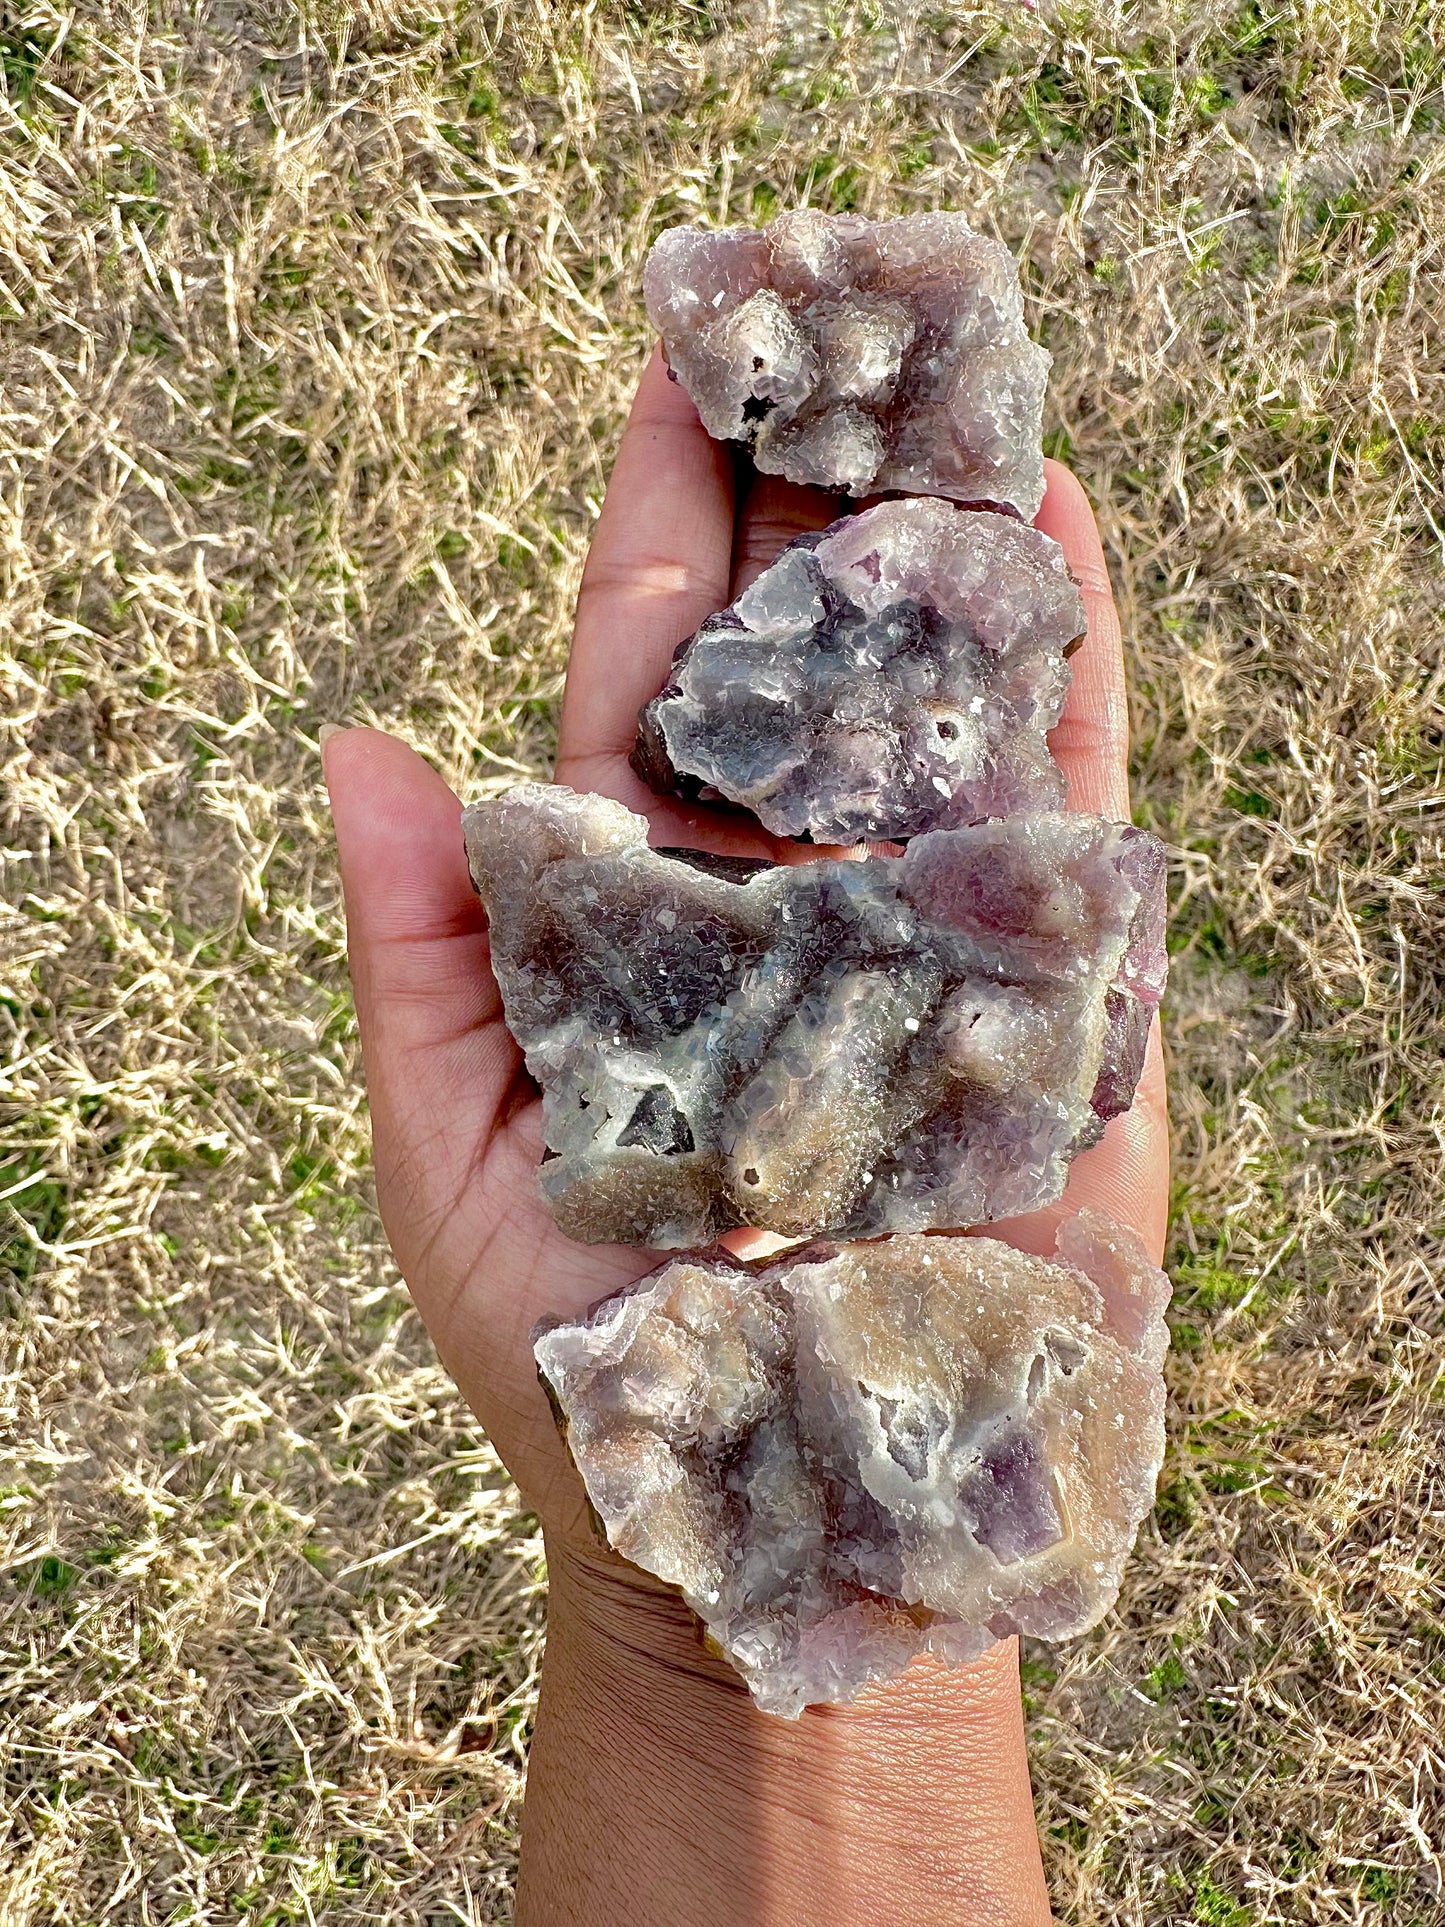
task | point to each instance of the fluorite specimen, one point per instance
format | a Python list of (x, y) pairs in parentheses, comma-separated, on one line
[(894, 674), (859, 355), (903, 1044), (874, 1450)]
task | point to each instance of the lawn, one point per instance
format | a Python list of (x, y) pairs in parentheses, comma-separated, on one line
[(317, 326)]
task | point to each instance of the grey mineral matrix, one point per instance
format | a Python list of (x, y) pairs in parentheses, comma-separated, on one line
[(858, 355), (845, 1048), (870, 1451), (896, 673)]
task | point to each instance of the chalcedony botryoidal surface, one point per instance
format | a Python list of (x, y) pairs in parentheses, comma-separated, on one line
[(869, 1451), (908, 1043), (857, 355), (894, 674)]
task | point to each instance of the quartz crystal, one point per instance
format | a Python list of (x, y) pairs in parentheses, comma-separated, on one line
[(872, 1450), (903, 1044), (859, 355), (894, 674)]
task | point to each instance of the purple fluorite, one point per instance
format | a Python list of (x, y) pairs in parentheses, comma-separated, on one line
[(861, 1453), (859, 355), (896, 673), (901, 1044)]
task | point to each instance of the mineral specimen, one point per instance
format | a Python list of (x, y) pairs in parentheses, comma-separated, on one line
[(859, 355), (895, 674), (873, 1450), (903, 1044)]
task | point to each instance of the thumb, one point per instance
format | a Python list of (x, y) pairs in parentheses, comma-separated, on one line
[(427, 1005)]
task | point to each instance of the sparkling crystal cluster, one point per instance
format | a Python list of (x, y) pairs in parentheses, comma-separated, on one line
[(859, 355), (895, 674), (865, 1450), (872, 1450), (901, 1044)]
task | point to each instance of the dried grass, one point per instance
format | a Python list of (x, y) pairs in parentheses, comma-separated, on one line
[(316, 329)]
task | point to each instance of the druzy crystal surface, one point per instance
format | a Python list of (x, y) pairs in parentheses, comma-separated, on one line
[(874, 1450), (859, 355), (903, 1044), (896, 673)]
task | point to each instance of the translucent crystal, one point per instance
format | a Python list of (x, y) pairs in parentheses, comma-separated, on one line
[(909, 1043), (894, 674), (859, 355), (869, 1451)]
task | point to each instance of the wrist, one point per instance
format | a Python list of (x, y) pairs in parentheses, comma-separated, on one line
[(659, 1793)]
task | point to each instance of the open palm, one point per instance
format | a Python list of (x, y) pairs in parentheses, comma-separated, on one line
[(456, 1120)]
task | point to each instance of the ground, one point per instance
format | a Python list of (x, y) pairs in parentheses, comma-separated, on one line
[(317, 325)]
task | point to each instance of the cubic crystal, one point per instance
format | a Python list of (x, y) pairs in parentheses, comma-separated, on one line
[(896, 673), (908, 1043), (869, 1451), (859, 355)]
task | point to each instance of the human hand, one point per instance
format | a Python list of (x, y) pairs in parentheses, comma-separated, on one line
[(456, 1120), (656, 1792)]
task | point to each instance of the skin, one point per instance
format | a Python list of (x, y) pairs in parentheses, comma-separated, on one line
[(656, 1792)]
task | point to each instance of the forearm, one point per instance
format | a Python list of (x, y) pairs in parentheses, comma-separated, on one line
[(658, 1796)]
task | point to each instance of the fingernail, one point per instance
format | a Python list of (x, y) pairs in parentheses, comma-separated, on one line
[(324, 736)]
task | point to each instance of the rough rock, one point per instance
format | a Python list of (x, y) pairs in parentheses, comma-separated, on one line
[(859, 355), (896, 673), (873, 1450), (908, 1043)]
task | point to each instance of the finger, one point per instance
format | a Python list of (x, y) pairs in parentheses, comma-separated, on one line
[(659, 563), (774, 513), (426, 1001), (1090, 742)]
